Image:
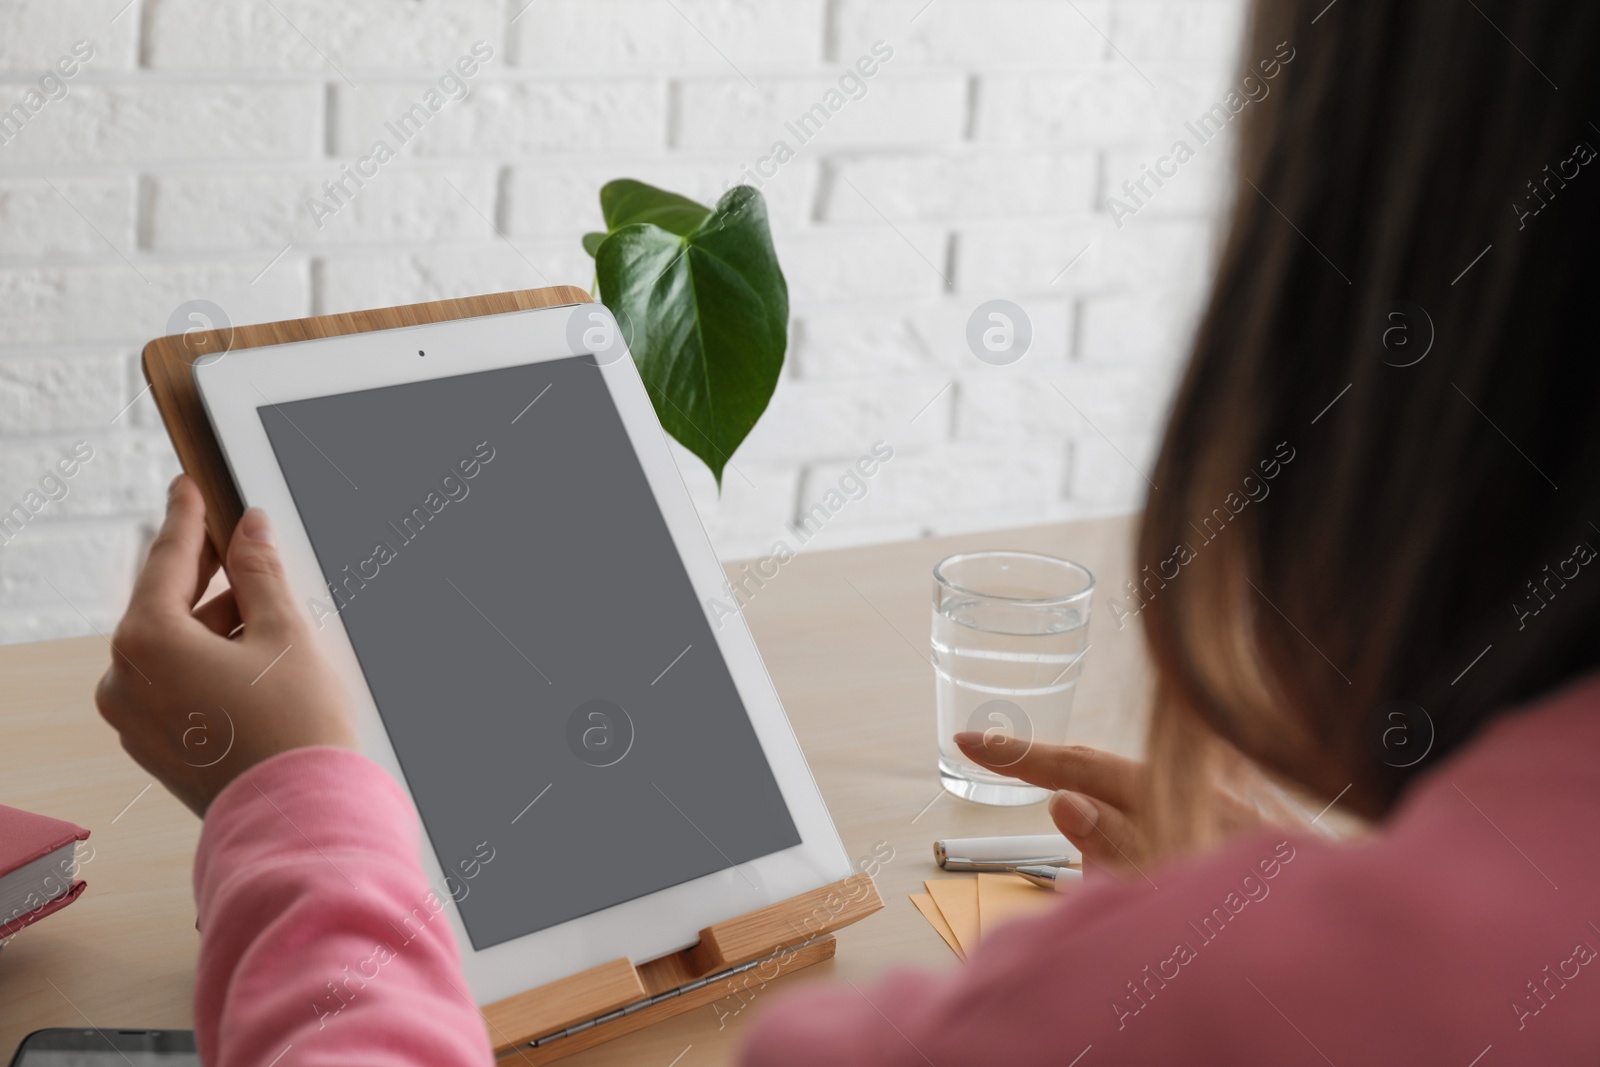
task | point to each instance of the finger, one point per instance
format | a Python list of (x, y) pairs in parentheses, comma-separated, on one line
[(259, 586), (1102, 832), (220, 614), (167, 582), (209, 565), (107, 698), (1087, 770)]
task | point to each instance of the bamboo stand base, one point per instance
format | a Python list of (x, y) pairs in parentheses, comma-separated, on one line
[(731, 959)]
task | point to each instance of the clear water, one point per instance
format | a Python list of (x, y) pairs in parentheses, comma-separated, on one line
[(1003, 668)]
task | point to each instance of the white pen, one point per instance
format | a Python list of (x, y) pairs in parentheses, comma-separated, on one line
[(1003, 853), (1059, 879)]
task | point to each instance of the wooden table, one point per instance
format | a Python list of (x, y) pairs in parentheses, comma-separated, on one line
[(845, 636)]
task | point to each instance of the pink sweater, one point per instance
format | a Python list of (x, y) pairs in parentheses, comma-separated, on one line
[(318, 932), (1462, 934)]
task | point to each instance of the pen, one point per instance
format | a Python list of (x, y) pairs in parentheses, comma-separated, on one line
[(1059, 879), (1004, 853)]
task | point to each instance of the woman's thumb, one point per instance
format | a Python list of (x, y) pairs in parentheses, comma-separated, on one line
[(256, 573)]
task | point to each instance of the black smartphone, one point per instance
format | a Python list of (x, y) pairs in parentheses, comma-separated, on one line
[(66, 1047)]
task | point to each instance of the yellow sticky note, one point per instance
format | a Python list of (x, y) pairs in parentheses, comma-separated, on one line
[(930, 911), (957, 899), (1003, 897)]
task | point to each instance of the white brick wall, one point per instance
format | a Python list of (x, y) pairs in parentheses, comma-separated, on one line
[(972, 165)]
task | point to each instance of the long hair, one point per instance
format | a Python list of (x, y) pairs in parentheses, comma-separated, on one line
[(1402, 332)]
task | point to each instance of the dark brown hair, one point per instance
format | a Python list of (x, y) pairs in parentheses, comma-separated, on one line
[(1403, 306)]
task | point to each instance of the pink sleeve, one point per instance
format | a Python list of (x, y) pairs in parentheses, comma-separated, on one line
[(319, 932), (1204, 970), (1431, 941)]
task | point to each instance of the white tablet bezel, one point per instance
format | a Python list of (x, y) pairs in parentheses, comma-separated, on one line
[(234, 385)]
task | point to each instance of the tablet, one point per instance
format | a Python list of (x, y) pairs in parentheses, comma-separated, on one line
[(495, 547)]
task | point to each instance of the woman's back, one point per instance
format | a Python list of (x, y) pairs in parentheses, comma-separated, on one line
[(1468, 923)]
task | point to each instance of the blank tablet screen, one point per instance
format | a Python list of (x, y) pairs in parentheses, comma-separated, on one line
[(565, 720)]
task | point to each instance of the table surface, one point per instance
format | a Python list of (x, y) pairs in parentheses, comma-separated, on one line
[(845, 636)]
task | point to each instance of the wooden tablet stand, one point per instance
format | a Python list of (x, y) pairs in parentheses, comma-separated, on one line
[(732, 958)]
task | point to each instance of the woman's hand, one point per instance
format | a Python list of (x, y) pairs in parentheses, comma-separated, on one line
[(198, 699), (1099, 797)]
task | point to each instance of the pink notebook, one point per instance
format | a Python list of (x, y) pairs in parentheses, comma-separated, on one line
[(38, 868)]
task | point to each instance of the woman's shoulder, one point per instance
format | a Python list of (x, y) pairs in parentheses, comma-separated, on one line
[(1464, 919)]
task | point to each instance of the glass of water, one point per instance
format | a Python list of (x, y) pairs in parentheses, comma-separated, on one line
[(1010, 630)]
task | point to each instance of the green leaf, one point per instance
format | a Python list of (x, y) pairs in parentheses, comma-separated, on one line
[(591, 242), (625, 202), (709, 317)]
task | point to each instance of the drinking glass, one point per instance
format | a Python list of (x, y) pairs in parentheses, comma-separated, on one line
[(1010, 630)]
